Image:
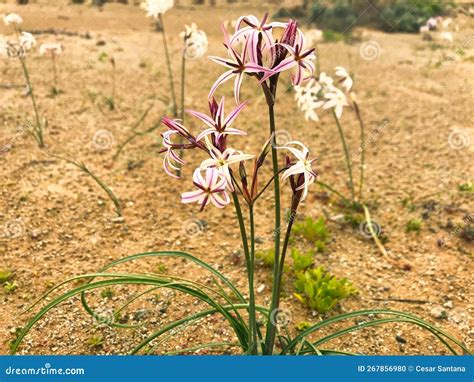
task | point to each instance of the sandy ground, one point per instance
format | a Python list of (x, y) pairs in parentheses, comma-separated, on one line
[(55, 223)]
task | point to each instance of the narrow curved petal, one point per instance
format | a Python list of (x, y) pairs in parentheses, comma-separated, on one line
[(233, 114), (222, 78), (237, 85), (203, 117), (192, 196), (222, 61), (205, 133), (297, 168), (220, 200)]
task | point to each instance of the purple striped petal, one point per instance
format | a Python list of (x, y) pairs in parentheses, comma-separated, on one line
[(234, 113), (222, 78)]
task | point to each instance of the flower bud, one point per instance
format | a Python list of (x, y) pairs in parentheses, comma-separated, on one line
[(265, 150)]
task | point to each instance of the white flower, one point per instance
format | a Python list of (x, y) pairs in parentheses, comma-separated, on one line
[(156, 7), (345, 78), (307, 99), (27, 41), (309, 109), (301, 166), (222, 160), (446, 36), (54, 48), (337, 100), (194, 49), (325, 80), (12, 18), (314, 36), (447, 22), (195, 42), (424, 29), (188, 30)]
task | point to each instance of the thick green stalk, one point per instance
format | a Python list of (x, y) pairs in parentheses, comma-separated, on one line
[(245, 246), (346, 154), (362, 148), (39, 127), (253, 317), (170, 70), (271, 327), (286, 240)]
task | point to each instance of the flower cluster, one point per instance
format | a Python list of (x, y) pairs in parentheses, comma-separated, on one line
[(195, 42), (16, 47), (12, 18), (154, 8), (324, 92), (252, 50), (439, 24)]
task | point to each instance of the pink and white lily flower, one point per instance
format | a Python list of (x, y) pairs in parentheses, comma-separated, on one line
[(222, 161), (211, 189), (301, 166), (172, 161), (219, 125), (239, 65), (300, 57), (252, 32)]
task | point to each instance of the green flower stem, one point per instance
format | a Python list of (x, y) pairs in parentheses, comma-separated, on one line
[(253, 318), (38, 133), (248, 263), (346, 154), (291, 220), (170, 70), (362, 148), (271, 327)]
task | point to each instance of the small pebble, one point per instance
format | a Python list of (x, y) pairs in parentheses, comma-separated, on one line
[(448, 304), (438, 312), (400, 339)]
